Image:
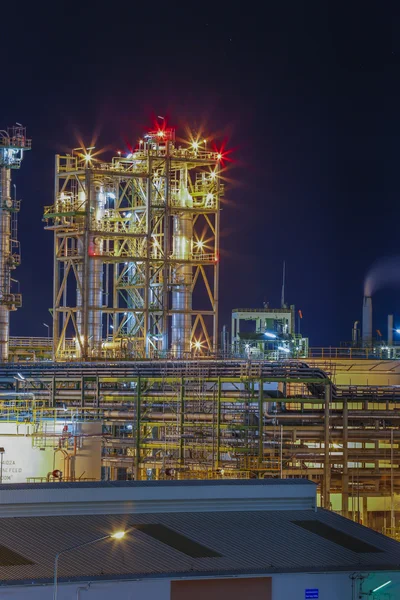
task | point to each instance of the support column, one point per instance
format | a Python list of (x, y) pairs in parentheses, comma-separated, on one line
[(327, 466), (365, 511), (260, 422), (218, 449), (345, 476), (137, 429), (182, 424)]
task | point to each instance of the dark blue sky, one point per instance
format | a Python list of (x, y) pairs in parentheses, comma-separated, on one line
[(306, 93)]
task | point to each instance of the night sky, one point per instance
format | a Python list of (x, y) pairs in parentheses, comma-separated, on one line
[(305, 94)]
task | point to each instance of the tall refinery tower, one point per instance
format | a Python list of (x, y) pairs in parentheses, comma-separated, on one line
[(13, 142), (136, 251)]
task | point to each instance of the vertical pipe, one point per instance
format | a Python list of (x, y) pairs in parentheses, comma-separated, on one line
[(390, 330), (95, 283), (216, 271), (167, 252), (56, 273), (327, 473), (345, 476), (181, 327), (182, 423), (392, 518), (146, 299), (137, 429), (5, 243), (218, 451), (260, 422)]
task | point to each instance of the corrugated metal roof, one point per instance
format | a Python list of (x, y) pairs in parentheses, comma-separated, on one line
[(140, 484), (248, 542)]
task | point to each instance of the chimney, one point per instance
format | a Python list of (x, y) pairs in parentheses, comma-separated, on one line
[(367, 322), (390, 330)]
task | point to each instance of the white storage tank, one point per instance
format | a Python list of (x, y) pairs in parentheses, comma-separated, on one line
[(33, 451)]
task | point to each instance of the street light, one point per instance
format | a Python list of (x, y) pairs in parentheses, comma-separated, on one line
[(118, 535), (48, 330)]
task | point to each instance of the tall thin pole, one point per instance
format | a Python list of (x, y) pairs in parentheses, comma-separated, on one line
[(283, 285), (392, 521), (281, 450), (57, 556), (327, 474), (345, 476)]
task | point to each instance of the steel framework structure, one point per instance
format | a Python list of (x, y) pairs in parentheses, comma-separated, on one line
[(136, 248)]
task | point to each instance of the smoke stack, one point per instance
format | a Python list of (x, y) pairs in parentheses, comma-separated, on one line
[(367, 322), (390, 330)]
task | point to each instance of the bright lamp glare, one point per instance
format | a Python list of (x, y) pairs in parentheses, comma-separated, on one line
[(219, 156), (381, 586), (87, 157), (397, 330), (282, 349), (118, 535), (195, 145), (270, 335)]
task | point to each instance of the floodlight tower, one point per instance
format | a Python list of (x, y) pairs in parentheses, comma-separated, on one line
[(136, 251), (13, 142)]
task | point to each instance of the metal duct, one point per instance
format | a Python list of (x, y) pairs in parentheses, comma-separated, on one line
[(367, 322)]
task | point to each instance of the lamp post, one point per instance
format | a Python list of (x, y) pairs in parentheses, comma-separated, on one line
[(1, 464), (48, 330), (118, 535)]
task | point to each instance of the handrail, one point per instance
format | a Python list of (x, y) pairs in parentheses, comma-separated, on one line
[(382, 353)]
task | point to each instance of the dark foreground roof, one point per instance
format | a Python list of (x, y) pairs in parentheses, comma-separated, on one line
[(188, 544), (157, 484)]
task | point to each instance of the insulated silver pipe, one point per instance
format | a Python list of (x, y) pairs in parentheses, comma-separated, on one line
[(182, 289), (5, 238), (79, 267)]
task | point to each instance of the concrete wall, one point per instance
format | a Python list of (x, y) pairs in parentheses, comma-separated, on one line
[(337, 586)]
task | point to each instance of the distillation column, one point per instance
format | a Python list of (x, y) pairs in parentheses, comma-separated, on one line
[(12, 144), (90, 272), (182, 279), (95, 278), (5, 277)]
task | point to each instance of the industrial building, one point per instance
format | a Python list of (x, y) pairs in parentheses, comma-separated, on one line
[(134, 383), (174, 540)]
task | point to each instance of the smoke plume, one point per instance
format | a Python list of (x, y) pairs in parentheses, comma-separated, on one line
[(383, 273)]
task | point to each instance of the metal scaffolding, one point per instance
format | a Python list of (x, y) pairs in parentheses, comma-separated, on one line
[(136, 248), (13, 142)]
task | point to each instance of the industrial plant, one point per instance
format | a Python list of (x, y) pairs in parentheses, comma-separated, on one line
[(138, 383)]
